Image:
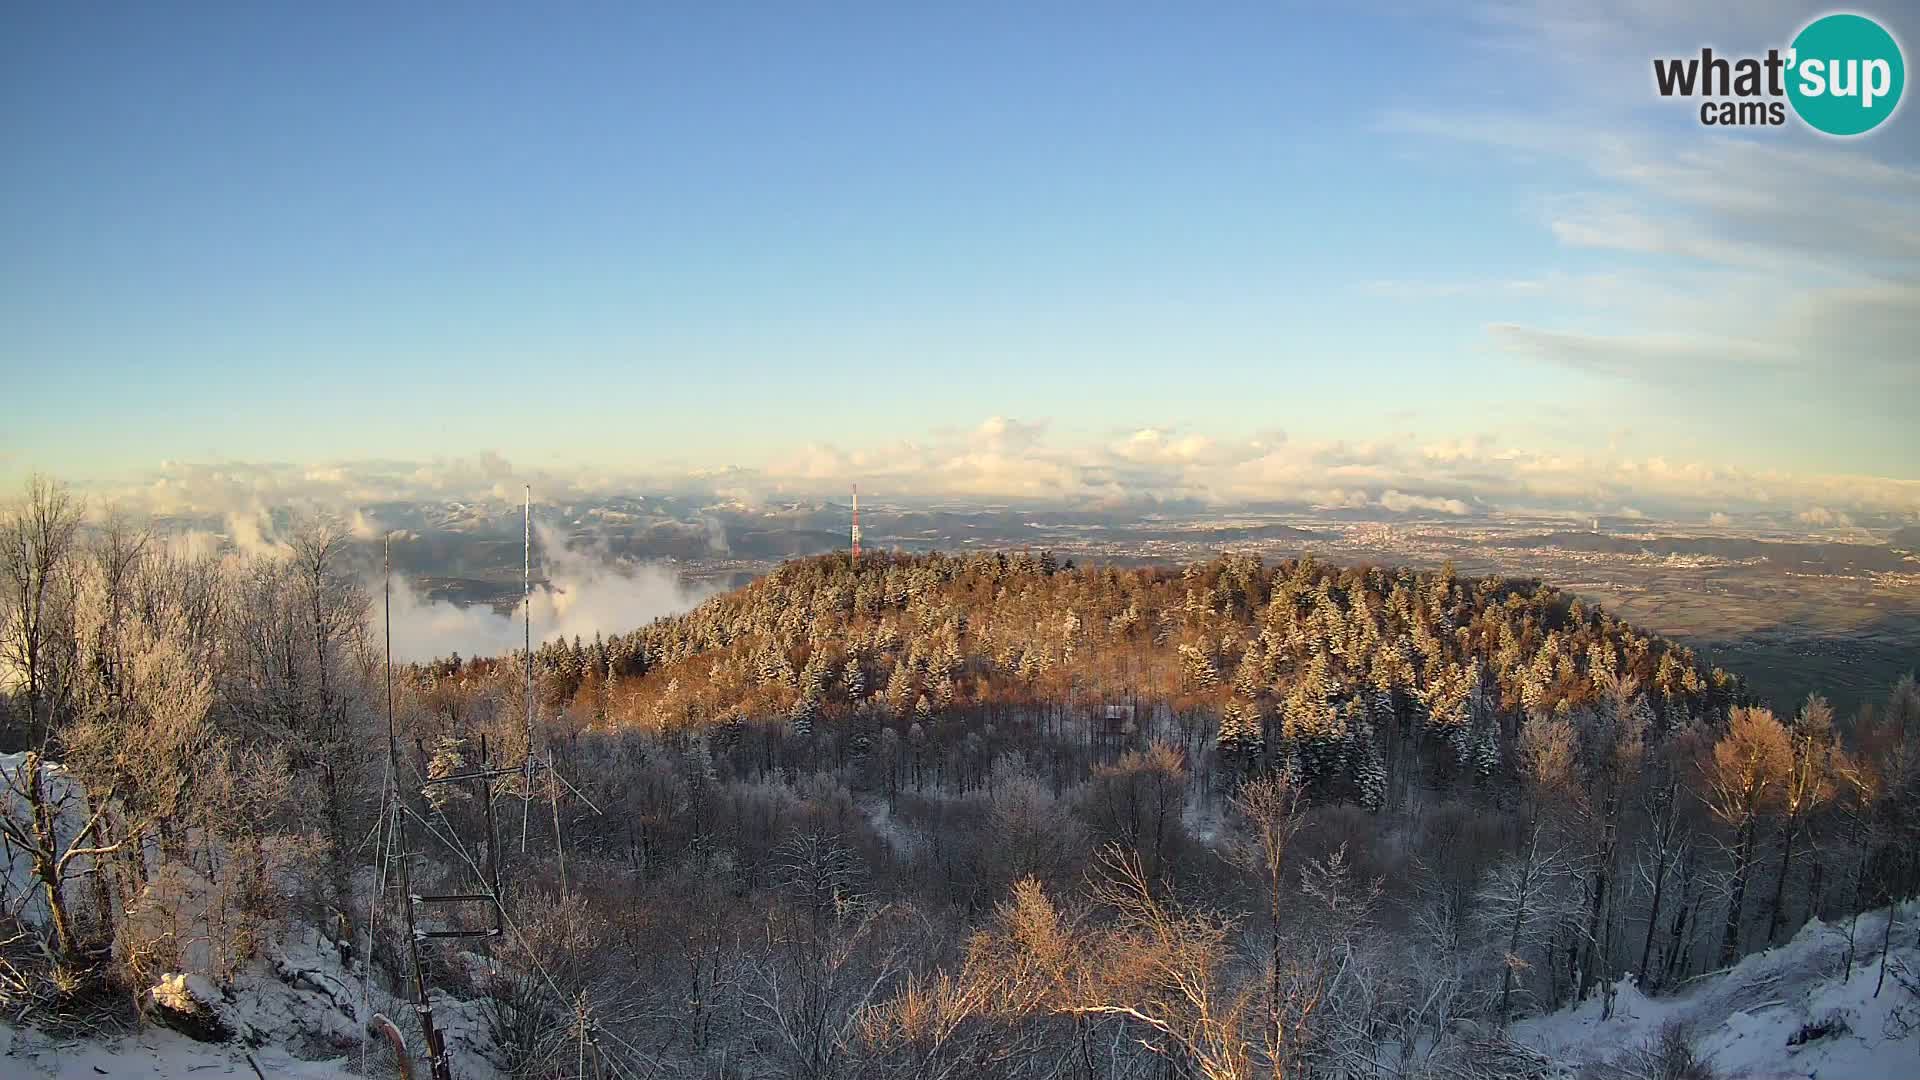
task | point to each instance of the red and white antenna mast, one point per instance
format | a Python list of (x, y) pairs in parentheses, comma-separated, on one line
[(856, 524)]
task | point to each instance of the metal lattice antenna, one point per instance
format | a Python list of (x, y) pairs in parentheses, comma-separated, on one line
[(553, 787), (856, 524), (437, 1063), (526, 612), (386, 564)]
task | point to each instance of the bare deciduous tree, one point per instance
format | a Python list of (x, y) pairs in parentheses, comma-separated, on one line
[(1274, 811), (36, 543)]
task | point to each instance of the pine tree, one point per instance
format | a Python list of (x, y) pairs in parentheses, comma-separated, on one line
[(1366, 766), (1290, 769), (1485, 753), (1253, 733), (773, 668), (800, 716), (813, 676), (1253, 674), (1320, 741), (700, 760), (1232, 740), (731, 727), (448, 758), (899, 692), (1197, 668)]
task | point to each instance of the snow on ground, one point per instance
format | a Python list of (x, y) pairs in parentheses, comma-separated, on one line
[(20, 892), (152, 1053), (901, 838), (1742, 1020), (296, 1011)]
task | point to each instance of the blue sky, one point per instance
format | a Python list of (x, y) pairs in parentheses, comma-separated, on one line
[(642, 241)]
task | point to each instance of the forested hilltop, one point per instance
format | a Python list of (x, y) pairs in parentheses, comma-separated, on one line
[(1359, 683), (1533, 798), (921, 817)]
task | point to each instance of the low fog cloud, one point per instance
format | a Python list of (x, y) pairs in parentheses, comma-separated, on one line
[(1396, 501), (1822, 518), (587, 593)]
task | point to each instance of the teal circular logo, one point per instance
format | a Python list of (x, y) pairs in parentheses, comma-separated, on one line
[(1845, 74)]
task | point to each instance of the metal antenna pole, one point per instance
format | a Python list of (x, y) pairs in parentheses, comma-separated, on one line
[(493, 838), (553, 789), (526, 613), (422, 1002), (559, 839), (386, 568)]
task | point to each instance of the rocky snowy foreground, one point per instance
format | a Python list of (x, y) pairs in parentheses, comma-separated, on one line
[(299, 1011), (293, 1014), (1789, 1012)]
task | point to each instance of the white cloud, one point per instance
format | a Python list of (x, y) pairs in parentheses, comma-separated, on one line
[(1822, 518), (252, 531), (1011, 459), (588, 593), (1656, 357), (1398, 289), (1771, 249), (1395, 501), (1000, 432), (1160, 446)]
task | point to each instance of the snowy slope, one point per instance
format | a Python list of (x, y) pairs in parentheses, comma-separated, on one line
[(154, 1053), (299, 1008), (1753, 1020), (296, 1011), (20, 893)]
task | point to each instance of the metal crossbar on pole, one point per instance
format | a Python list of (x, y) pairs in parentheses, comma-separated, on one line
[(489, 891), (422, 1001), (484, 777)]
